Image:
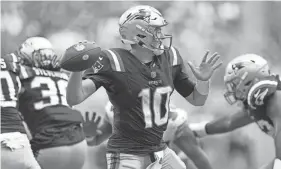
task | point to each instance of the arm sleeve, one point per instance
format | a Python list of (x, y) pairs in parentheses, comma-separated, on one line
[(99, 72), (182, 82)]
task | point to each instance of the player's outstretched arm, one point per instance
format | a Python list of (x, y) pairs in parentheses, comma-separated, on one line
[(78, 90), (221, 125), (203, 73), (196, 93), (105, 132), (188, 143), (96, 131)]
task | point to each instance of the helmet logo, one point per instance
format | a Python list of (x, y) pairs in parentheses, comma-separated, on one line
[(79, 47), (237, 66), (260, 96)]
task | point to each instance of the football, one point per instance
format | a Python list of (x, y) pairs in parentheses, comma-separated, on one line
[(80, 56)]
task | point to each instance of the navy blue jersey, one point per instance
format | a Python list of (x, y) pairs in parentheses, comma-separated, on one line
[(10, 89), (140, 94), (44, 107)]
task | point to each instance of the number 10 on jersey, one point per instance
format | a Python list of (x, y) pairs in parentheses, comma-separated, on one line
[(151, 103)]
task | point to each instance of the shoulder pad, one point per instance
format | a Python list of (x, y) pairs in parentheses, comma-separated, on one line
[(174, 56), (12, 57), (260, 91), (115, 59), (9, 66), (26, 72)]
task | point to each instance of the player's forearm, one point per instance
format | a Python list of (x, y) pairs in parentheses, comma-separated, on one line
[(74, 93), (222, 125), (78, 90), (219, 126), (200, 93), (188, 143)]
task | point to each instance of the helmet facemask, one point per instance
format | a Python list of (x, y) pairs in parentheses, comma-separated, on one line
[(236, 89), (40, 57), (153, 39), (239, 82)]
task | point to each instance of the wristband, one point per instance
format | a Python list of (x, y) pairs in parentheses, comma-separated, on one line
[(277, 164), (199, 128), (202, 87)]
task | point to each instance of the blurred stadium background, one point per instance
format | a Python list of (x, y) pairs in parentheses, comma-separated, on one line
[(230, 28)]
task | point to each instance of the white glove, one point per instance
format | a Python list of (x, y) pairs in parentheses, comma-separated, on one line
[(199, 129)]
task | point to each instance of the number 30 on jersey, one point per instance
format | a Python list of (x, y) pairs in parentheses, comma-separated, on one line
[(152, 104)]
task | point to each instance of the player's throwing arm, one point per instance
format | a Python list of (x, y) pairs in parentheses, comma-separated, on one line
[(77, 58)]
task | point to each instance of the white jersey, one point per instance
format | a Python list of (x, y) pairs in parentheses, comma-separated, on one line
[(177, 117)]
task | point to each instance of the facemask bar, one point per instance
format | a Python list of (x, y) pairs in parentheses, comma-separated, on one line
[(157, 37), (233, 92), (230, 94)]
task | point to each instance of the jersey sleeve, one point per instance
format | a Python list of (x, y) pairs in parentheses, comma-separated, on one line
[(26, 72), (108, 62), (10, 63), (182, 82), (109, 113)]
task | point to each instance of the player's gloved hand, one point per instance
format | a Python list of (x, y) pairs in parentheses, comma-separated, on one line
[(90, 127), (199, 129), (206, 69)]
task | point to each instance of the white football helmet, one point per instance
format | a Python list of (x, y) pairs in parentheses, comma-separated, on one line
[(142, 25), (38, 52), (241, 74)]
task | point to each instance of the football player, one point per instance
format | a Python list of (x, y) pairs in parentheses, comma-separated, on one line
[(248, 79), (57, 134), (139, 83), (177, 117), (16, 152)]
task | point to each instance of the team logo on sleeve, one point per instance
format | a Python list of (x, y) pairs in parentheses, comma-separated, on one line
[(97, 66)]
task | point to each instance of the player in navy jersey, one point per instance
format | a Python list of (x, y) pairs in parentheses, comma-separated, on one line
[(139, 83), (16, 152), (99, 129), (249, 80), (57, 135)]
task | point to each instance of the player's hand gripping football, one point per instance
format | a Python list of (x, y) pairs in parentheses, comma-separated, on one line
[(90, 127), (207, 67)]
